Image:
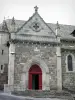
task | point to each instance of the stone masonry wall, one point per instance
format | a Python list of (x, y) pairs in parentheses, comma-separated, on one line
[(4, 77), (67, 77), (25, 52), (4, 62)]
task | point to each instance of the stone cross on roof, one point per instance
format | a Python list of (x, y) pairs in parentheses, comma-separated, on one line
[(36, 8)]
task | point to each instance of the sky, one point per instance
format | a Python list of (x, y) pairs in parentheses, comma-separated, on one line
[(51, 11)]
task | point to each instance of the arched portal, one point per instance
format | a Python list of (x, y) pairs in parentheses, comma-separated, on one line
[(35, 77)]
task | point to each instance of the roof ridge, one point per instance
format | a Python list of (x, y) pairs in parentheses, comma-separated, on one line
[(25, 23), (42, 18), (31, 18), (61, 24)]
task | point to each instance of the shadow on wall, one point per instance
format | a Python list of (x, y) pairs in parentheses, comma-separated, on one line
[(1, 87)]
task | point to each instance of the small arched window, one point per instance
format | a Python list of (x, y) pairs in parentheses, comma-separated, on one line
[(70, 65)]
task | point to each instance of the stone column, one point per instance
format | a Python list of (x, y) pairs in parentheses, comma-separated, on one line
[(59, 68), (11, 64), (58, 53)]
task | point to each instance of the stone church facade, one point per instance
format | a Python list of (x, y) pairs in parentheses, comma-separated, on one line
[(41, 56)]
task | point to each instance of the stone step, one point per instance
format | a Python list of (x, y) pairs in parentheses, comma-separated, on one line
[(44, 94)]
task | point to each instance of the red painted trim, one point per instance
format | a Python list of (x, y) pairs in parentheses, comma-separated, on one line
[(30, 81), (40, 81), (35, 73), (35, 69)]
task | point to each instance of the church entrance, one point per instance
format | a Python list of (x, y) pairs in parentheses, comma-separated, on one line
[(35, 77), (35, 81)]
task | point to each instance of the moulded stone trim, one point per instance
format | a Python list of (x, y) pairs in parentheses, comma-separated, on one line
[(73, 62), (45, 72), (37, 61)]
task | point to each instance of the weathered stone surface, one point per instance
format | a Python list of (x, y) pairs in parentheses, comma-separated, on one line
[(41, 50), (68, 76), (4, 62), (25, 53)]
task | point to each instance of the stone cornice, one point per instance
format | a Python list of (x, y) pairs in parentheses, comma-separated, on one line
[(67, 39), (68, 48), (34, 38), (35, 43)]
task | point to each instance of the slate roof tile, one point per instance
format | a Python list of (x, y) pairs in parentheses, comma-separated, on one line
[(64, 31)]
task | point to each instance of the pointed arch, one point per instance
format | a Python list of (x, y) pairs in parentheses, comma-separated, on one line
[(43, 67), (35, 68), (35, 77), (70, 63), (37, 61)]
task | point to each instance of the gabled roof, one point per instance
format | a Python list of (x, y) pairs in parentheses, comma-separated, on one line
[(64, 31), (36, 13), (45, 30), (4, 27), (73, 33), (18, 24)]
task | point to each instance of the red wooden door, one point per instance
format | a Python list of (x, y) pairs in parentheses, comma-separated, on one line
[(40, 81), (30, 81), (35, 69)]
